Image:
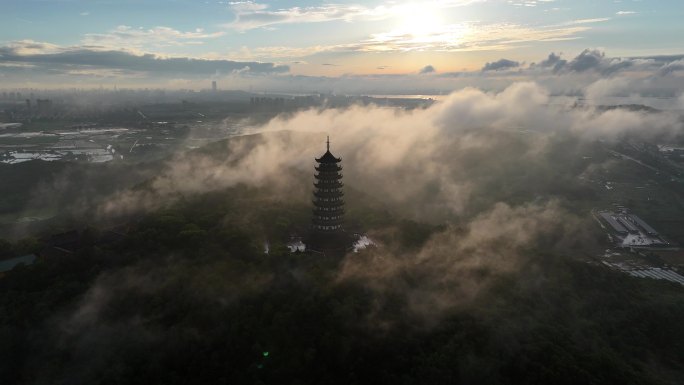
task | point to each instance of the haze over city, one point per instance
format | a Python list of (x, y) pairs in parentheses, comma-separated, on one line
[(371, 47)]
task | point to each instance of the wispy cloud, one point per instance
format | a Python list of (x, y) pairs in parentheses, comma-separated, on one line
[(621, 13), (529, 3), (588, 21), (462, 37), (251, 15), (29, 47), (258, 17), (471, 36), (278, 52), (129, 38)]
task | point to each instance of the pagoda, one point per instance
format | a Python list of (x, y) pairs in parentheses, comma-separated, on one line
[(328, 211)]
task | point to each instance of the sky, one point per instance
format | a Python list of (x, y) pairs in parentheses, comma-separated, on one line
[(316, 44)]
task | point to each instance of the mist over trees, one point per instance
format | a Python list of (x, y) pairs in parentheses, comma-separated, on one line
[(501, 200), (190, 297), (480, 208)]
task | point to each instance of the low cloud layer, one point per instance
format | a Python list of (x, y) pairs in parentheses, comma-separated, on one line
[(42, 64), (499, 169), (441, 162), (455, 265), (33, 58)]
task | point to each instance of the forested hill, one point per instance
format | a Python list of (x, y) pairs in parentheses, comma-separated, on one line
[(188, 296)]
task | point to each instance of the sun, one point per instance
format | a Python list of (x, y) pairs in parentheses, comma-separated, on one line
[(419, 20)]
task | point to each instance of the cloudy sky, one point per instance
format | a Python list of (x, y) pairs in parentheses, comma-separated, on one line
[(176, 43)]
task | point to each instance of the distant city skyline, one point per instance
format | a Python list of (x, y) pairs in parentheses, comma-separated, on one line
[(182, 43)]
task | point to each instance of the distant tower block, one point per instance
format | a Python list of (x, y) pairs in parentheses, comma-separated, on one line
[(328, 211), (213, 85)]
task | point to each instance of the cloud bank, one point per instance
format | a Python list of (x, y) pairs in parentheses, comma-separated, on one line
[(502, 64), (44, 64), (435, 162), (498, 168), (34, 58)]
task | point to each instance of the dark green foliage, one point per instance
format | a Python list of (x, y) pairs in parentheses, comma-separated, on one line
[(414, 235), (37, 196), (21, 247), (189, 297), (6, 249)]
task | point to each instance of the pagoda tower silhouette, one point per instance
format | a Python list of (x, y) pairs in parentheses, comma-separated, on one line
[(327, 233)]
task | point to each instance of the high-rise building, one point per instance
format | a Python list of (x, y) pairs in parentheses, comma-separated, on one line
[(43, 106), (213, 85)]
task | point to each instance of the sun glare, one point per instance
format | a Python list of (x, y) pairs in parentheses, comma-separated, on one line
[(419, 20)]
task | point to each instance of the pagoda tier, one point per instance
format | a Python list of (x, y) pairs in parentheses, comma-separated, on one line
[(328, 183), (326, 167), (320, 220), (324, 177), (328, 212), (335, 212), (329, 195)]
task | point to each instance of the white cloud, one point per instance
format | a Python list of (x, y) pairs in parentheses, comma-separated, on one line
[(462, 37), (529, 3), (129, 38), (251, 15), (31, 47), (621, 13), (589, 21), (247, 6), (278, 52), (467, 37), (603, 88), (411, 149)]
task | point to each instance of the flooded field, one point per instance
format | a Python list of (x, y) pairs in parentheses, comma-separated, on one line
[(96, 144), (91, 145)]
